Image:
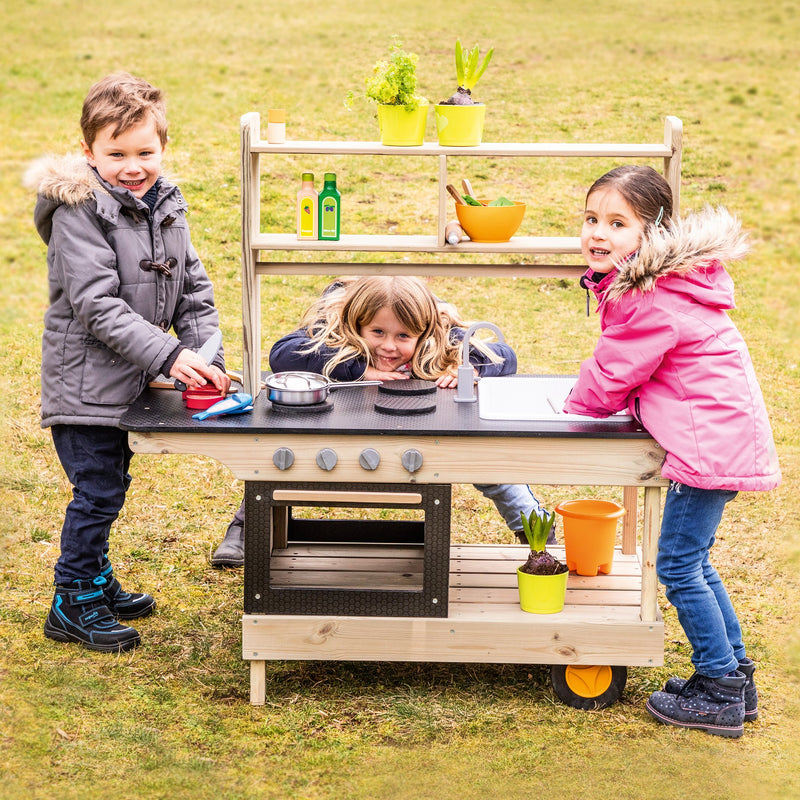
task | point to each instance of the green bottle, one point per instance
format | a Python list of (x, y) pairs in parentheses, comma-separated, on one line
[(329, 209)]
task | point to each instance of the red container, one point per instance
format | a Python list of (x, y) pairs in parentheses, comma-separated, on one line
[(202, 397)]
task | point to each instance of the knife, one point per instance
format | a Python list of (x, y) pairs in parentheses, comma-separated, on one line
[(207, 352)]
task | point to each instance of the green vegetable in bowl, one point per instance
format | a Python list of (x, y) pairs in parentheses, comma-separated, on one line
[(501, 201)]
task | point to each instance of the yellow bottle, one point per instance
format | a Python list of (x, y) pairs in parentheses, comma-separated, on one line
[(307, 207)]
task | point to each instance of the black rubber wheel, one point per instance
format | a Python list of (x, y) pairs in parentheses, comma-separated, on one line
[(588, 686)]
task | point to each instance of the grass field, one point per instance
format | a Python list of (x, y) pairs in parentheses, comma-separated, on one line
[(172, 718)]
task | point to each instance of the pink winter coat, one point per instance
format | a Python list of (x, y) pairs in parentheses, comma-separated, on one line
[(669, 353)]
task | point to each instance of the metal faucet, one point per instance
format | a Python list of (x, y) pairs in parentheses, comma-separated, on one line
[(464, 392)]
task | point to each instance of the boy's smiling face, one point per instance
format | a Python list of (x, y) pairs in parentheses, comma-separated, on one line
[(132, 159)]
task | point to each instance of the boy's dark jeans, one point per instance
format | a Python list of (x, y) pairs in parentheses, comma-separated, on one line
[(96, 460)]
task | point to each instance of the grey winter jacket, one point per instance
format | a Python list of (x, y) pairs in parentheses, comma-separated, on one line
[(119, 280)]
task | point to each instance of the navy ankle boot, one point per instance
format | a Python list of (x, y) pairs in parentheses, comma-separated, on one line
[(124, 605), (713, 705), (747, 668), (79, 614)]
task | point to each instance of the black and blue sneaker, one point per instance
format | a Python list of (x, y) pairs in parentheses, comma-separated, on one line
[(124, 605), (79, 614)]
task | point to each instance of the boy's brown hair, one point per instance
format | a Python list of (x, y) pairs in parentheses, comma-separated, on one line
[(124, 101)]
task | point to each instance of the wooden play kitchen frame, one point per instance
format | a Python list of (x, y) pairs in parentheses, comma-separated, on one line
[(607, 620)]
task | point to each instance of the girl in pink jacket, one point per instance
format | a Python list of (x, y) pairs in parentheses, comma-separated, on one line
[(669, 353)]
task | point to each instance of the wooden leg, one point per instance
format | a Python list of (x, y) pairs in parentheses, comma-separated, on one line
[(650, 531), (630, 498), (258, 683), (280, 527)]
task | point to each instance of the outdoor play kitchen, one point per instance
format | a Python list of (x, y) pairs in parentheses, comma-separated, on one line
[(397, 590)]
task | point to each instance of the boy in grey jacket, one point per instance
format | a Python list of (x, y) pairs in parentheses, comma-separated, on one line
[(122, 274)]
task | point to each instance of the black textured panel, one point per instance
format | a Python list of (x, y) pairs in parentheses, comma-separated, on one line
[(409, 387), (261, 597), (405, 406)]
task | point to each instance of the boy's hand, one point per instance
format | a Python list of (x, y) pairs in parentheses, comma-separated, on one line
[(193, 371)]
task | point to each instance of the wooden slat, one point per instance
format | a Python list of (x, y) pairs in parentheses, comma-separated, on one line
[(321, 496), (494, 633)]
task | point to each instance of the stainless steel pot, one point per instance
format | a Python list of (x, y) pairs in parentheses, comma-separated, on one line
[(305, 388)]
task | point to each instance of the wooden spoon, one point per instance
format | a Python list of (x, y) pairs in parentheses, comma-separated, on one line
[(468, 190), (456, 196)]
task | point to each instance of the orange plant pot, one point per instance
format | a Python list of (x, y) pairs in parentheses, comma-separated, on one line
[(590, 532)]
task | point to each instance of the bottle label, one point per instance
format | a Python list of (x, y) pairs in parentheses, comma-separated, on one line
[(328, 217), (306, 218)]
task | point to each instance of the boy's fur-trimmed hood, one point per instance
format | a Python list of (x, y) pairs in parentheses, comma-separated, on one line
[(60, 180), (696, 241), (66, 179)]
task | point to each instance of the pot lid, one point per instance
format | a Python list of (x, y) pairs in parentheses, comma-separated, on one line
[(296, 381)]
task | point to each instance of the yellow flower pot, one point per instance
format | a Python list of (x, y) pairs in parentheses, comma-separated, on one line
[(542, 594), (460, 126), (401, 126)]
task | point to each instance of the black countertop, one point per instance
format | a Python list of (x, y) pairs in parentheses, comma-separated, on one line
[(353, 412)]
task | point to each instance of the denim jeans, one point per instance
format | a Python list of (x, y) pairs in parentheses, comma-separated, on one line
[(96, 461), (510, 499), (688, 531)]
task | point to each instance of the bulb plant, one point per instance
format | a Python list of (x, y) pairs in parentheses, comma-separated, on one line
[(469, 70), (537, 529)]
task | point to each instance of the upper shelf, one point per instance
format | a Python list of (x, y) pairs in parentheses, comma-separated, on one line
[(486, 149)]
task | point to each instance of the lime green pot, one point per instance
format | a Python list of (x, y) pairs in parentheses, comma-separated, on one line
[(542, 594), (401, 126), (460, 126)]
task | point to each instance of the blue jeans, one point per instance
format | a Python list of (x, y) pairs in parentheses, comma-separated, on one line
[(96, 461), (688, 531), (510, 499)]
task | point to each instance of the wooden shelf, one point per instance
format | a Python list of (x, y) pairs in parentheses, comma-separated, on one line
[(255, 242), (377, 243), (511, 149)]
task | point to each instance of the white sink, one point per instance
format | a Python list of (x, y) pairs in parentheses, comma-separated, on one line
[(531, 398)]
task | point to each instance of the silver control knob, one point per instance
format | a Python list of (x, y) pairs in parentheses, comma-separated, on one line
[(326, 459), (369, 458), (283, 458), (411, 460)]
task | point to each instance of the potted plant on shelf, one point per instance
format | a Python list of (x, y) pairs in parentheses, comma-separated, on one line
[(459, 119), (392, 86), (542, 579)]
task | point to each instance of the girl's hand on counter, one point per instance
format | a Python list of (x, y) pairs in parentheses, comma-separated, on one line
[(450, 379), (372, 374)]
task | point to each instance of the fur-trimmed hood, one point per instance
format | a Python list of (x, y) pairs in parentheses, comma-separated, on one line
[(67, 180), (694, 242)]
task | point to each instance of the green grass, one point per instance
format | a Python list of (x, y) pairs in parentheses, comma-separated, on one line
[(172, 719)]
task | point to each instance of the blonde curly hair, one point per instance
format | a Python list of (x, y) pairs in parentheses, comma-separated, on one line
[(336, 319)]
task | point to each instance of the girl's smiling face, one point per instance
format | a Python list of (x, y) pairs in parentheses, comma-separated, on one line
[(611, 230), (132, 159), (390, 343)]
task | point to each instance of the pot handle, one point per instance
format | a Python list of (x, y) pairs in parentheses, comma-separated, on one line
[(348, 384)]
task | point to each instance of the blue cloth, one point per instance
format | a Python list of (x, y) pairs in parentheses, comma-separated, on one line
[(705, 611), (96, 460)]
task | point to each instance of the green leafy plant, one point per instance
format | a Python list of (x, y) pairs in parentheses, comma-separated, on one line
[(469, 70), (537, 529), (393, 81)]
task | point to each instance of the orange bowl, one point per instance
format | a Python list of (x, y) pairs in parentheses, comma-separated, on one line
[(490, 223)]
